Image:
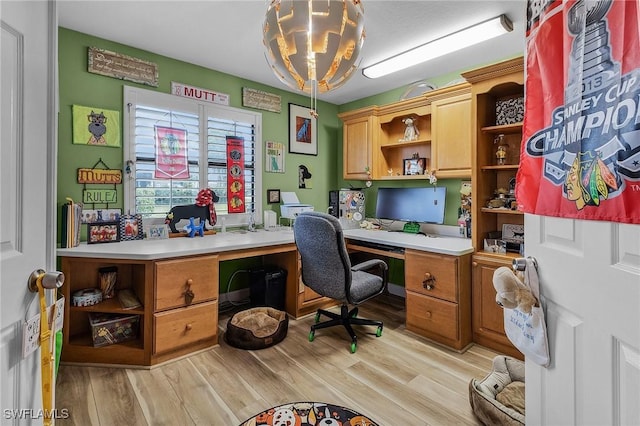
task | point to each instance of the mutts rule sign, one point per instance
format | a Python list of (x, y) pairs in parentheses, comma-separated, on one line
[(99, 196)]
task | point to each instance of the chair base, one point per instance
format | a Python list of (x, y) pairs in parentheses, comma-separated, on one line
[(345, 318)]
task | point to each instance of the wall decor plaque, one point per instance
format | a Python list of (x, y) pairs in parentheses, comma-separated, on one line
[(117, 65), (261, 100)]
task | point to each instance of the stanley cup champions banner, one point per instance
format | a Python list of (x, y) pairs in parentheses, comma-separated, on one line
[(580, 154)]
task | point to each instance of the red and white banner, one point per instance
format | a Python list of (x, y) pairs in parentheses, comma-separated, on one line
[(235, 174), (171, 153), (580, 154)]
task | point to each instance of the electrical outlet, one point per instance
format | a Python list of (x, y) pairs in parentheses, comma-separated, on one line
[(30, 335)]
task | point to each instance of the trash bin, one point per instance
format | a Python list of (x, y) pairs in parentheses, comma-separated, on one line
[(267, 286)]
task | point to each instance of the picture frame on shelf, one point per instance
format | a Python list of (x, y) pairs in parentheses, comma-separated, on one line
[(414, 166), (303, 130), (158, 232), (273, 196), (103, 232), (131, 227)]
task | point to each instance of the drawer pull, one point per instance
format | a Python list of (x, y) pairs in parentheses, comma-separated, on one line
[(189, 294), (429, 281), (188, 327), (428, 314)]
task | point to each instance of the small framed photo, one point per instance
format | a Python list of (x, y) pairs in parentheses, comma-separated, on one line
[(303, 131), (158, 232), (273, 196), (414, 166), (103, 232), (101, 215), (131, 227)]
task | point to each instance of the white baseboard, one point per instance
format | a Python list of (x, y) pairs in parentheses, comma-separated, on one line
[(396, 290)]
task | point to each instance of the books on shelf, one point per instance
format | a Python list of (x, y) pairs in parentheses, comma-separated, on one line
[(128, 299)]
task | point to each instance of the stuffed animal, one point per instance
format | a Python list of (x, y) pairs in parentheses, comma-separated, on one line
[(511, 292)]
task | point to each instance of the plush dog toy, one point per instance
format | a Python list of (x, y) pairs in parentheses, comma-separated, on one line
[(511, 292)]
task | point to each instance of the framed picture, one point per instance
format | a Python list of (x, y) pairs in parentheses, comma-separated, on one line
[(158, 232), (303, 131), (103, 232), (273, 196), (131, 227), (101, 215), (414, 166)]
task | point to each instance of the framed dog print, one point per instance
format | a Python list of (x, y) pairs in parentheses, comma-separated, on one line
[(103, 232), (158, 232), (131, 227), (303, 131)]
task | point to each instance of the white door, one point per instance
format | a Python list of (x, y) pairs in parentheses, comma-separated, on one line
[(590, 276), (28, 125)]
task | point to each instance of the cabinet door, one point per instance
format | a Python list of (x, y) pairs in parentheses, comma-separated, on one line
[(451, 134), (357, 145), (488, 317)]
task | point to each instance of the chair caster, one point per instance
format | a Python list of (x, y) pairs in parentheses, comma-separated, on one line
[(379, 331), (317, 317), (312, 335), (354, 346)]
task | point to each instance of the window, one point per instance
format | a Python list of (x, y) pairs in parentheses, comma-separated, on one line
[(205, 128)]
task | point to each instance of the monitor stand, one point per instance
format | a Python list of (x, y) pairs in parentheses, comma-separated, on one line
[(411, 228)]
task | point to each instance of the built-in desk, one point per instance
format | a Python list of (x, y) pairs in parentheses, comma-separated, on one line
[(437, 273), (177, 281)]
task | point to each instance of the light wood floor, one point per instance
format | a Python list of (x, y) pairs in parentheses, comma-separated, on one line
[(396, 379)]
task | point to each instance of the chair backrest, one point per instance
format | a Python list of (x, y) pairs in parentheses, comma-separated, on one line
[(326, 268)]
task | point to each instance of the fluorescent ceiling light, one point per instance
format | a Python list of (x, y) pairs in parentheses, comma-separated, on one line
[(442, 46)]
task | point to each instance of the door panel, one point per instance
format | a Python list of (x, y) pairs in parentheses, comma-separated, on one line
[(27, 179), (590, 278)]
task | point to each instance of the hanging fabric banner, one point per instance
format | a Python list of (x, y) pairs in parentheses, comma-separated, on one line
[(580, 155), (235, 174), (171, 153)]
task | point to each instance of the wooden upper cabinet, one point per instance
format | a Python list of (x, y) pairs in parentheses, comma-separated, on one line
[(359, 131), (451, 134)]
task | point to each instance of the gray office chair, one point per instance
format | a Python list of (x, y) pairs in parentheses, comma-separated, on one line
[(327, 270)]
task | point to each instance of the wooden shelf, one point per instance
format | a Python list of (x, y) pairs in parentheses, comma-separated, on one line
[(111, 306), (501, 211), (503, 167), (392, 145), (499, 256), (85, 340), (503, 128), (405, 177)]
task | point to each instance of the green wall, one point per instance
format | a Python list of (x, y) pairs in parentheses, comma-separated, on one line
[(78, 86)]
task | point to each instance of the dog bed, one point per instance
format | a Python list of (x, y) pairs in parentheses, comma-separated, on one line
[(499, 397), (256, 328)]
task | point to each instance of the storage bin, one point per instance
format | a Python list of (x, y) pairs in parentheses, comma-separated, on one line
[(107, 329)]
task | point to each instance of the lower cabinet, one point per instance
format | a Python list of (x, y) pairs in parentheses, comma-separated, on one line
[(488, 316), (438, 299)]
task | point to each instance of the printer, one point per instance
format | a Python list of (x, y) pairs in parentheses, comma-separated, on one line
[(291, 206)]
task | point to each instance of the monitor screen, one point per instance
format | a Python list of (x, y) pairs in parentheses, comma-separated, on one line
[(412, 204)]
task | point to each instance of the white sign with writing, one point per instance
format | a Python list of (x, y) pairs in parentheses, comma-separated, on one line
[(201, 94)]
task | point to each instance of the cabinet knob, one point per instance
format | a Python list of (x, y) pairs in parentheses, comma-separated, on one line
[(188, 327), (428, 314), (429, 281), (475, 264)]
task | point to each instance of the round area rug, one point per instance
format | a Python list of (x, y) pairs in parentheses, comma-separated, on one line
[(309, 414)]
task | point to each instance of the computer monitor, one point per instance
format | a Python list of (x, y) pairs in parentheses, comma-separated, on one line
[(423, 205)]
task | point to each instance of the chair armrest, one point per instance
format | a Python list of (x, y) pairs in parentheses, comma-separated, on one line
[(367, 265)]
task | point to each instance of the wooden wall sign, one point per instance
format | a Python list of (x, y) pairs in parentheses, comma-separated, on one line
[(261, 100), (105, 176), (99, 196), (117, 65)]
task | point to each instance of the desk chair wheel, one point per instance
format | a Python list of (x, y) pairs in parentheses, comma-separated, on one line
[(317, 318), (379, 331), (354, 346), (312, 335)]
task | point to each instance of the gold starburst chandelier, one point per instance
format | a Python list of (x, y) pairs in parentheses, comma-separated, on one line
[(313, 45)]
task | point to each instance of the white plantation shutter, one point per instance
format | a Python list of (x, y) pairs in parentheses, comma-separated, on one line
[(207, 127)]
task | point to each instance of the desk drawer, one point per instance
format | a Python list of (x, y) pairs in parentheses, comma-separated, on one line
[(180, 327), (432, 317), (175, 277), (431, 275)]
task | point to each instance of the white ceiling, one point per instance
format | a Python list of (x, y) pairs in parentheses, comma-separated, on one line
[(227, 35)]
